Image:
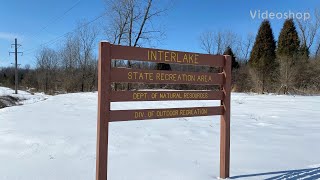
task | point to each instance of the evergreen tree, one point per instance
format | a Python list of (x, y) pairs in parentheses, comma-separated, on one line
[(288, 55), (288, 42), (228, 51), (263, 57)]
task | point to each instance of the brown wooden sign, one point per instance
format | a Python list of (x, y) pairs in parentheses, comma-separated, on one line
[(127, 115), (165, 56), (117, 96), (107, 75), (164, 77)]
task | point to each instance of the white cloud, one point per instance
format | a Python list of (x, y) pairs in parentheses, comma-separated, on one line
[(8, 36)]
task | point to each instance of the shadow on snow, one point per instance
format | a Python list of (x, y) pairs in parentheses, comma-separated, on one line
[(305, 174)]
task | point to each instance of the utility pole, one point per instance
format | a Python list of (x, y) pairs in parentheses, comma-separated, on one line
[(16, 62)]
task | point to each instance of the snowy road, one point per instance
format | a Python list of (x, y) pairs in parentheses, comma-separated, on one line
[(276, 137)]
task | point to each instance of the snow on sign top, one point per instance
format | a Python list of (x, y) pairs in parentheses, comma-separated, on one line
[(165, 56), (107, 75)]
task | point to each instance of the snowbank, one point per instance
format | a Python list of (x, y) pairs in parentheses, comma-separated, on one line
[(22, 96)]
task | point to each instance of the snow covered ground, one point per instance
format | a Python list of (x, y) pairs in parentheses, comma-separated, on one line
[(24, 97), (272, 137)]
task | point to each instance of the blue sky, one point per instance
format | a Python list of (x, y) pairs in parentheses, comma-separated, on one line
[(35, 22)]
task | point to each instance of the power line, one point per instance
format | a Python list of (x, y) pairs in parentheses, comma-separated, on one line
[(64, 35), (54, 20), (61, 17), (5, 60)]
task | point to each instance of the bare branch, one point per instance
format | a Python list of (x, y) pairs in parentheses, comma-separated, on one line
[(246, 46), (143, 22), (206, 42), (308, 29)]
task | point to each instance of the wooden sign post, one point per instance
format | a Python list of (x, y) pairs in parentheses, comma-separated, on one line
[(107, 75)]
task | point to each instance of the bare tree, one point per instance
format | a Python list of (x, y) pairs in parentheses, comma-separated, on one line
[(229, 39), (70, 53), (317, 52), (308, 29), (70, 58), (289, 70), (47, 64), (77, 59), (245, 47), (216, 43), (132, 23), (87, 36), (207, 42), (118, 26)]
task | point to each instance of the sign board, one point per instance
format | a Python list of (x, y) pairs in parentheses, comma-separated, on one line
[(108, 75)]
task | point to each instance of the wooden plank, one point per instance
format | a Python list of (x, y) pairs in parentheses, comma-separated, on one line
[(143, 114), (104, 90), (117, 96), (225, 122), (165, 77), (165, 56)]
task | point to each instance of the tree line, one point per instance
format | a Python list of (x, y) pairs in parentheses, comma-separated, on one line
[(72, 68), (290, 65), (259, 63), (284, 67)]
